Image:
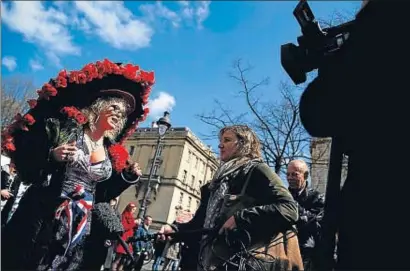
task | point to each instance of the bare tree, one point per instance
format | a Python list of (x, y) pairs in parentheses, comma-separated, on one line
[(277, 123), (15, 91), (338, 17)]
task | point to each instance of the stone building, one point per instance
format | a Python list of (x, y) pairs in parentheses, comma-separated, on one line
[(183, 165), (320, 154)]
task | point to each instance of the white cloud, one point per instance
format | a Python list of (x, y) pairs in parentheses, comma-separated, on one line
[(202, 12), (9, 62), (187, 10), (190, 12), (35, 65), (163, 102), (45, 27), (157, 11), (115, 24), (49, 25)]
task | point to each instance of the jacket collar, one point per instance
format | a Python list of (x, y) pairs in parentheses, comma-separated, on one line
[(303, 193)]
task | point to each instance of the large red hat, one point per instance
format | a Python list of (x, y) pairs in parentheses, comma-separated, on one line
[(71, 91)]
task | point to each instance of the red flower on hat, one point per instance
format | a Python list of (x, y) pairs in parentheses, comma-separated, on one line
[(61, 82), (116, 69), (46, 92), (29, 119), (32, 103), (82, 78), (131, 72), (74, 113), (73, 77), (101, 69), (9, 147), (147, 77), (90, 71), (7, 142)]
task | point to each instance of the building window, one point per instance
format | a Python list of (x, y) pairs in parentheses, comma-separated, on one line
[(196, 162), (189, 156), (197, 204), (160, 148), (202, 167), (192, 181), (199, 184), (184, 176), (212, 173), (189, 203), (132, 150), (181, 198)]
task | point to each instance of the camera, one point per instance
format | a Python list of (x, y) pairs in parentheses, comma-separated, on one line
[(315, 44)]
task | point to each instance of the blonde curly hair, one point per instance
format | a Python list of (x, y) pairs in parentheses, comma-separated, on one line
[(248, 142)]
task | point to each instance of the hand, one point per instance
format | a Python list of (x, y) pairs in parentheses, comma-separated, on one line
[(230, 224), (5, 194), (64, 152), (165, 229), (134, 169)]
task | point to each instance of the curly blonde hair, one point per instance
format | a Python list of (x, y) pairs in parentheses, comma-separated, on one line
[(248, 142), (101, 104)]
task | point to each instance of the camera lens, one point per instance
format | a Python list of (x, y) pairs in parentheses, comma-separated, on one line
[(292, 59)]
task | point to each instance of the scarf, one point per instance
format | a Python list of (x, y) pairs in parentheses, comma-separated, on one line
[(219, 185)]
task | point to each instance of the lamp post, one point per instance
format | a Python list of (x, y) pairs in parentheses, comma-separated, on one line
[(163, 126)]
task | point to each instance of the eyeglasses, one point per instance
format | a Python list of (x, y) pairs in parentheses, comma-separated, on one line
[(293, 174), (118, 110)]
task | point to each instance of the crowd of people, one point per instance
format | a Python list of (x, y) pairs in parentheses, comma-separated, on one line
[(65, 196), (166, 254), (68, 166)]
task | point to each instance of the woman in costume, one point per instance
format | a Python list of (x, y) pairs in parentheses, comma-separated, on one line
[(250, 212), (69, 147)]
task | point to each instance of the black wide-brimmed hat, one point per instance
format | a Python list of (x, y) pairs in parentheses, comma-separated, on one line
[(79, 89)]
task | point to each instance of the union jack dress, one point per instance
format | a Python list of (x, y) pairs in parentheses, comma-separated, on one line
[(72, 217)]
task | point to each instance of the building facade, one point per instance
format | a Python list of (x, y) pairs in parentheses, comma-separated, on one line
[(183, 165), (320, 155)]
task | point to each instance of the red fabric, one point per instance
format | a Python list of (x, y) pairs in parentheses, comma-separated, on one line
[(128, 222)]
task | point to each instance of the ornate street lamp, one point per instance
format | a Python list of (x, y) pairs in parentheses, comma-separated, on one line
[(163, 126)]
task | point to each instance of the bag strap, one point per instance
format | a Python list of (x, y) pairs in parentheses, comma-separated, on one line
[(248, 177)]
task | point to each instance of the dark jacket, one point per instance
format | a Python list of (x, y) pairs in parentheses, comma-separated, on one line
[(361, 97), (13, 186), (273, 211), (9, 183), (5, 180), (310, 205), (159, 247)]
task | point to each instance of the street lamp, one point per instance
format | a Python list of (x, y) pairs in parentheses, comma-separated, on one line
[(163, 126)]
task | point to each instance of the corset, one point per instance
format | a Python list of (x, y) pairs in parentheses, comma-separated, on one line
[(81, 172)]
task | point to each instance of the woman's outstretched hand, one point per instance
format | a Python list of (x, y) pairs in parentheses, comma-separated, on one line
[(64, 153), (165, 229), (134, 168), (230, 224)]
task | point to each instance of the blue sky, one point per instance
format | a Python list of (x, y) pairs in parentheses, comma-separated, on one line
[(189, 45)]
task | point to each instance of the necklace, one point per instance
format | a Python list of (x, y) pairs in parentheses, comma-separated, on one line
[(94, 145)]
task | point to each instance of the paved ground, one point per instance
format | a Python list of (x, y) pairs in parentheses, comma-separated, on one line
[(147, 267)]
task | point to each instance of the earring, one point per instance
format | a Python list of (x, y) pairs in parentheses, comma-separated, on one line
[(92, 124)]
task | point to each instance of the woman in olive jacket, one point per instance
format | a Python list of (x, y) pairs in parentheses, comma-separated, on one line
[(266, 209)]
